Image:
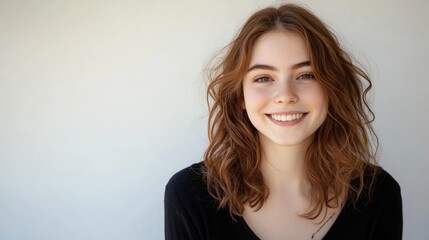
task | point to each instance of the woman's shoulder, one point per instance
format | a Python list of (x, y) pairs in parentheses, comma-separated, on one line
[(190, 174), (376, 214), (383, 182), (386, 188), (379, 187), (192, 213), (188, 183)]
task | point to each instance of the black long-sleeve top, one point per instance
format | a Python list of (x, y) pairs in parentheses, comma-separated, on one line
[(191, 212)]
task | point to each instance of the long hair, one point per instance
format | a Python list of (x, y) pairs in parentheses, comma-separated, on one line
[(342, 149)]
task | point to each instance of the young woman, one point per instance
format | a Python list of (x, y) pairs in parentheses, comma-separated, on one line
[(291, 143)]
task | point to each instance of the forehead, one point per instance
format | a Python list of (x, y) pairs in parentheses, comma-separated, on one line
[(279, 48)]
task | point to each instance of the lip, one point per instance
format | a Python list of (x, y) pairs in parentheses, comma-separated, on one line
[(286, 124)]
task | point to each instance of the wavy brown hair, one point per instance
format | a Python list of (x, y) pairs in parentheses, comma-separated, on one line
[(343, 148)]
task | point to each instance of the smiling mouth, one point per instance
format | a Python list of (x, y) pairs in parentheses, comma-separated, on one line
[(286, 117)]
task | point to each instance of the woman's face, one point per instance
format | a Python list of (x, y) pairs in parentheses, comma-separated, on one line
[(283, 100)]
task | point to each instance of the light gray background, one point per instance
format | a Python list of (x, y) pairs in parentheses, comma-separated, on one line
[(102, 101)]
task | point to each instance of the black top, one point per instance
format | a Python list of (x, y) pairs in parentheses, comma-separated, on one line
[(191, 213)]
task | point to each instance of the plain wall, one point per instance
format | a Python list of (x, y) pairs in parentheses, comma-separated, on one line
[(102, 101)]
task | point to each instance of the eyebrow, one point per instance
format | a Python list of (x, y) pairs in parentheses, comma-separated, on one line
[(272, 68)]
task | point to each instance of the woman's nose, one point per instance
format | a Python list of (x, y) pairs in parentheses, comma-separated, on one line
[(285, 93)]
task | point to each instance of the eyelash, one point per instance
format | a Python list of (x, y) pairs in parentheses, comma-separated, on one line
[(304, 76), (307, 76), (262, 79)]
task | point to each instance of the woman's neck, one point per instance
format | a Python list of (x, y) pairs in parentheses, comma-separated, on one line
[(283, 167)]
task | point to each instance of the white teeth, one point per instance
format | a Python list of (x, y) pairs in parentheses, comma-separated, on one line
[(287, 118)]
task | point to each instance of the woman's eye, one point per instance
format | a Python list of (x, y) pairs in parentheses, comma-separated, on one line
[(306, 76), (263, 79)]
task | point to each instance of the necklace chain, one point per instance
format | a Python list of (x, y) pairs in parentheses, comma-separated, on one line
[(314, 234)]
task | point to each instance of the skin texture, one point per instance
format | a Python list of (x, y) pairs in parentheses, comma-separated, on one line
[(280, 81)]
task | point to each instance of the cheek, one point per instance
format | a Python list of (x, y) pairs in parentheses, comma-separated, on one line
[(255, 98), (324, 100), (320, 101), (319, 97)]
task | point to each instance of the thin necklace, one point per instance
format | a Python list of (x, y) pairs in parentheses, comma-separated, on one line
[(314, 234)]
